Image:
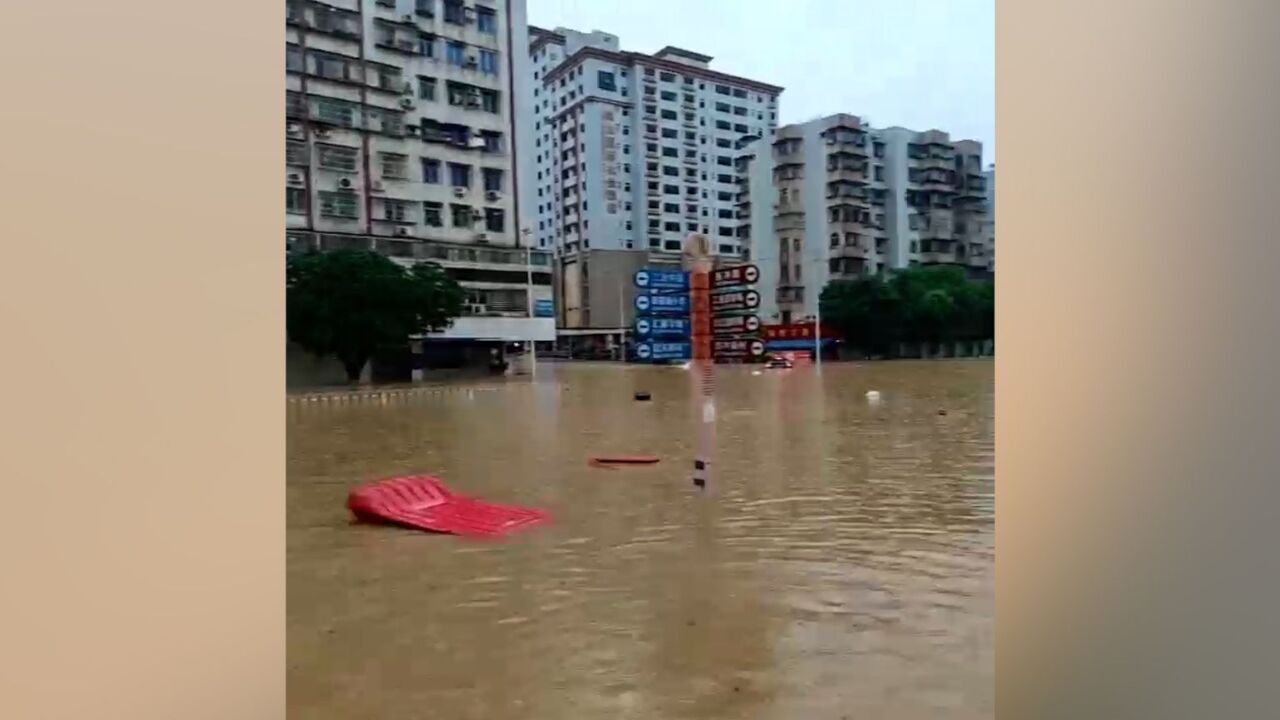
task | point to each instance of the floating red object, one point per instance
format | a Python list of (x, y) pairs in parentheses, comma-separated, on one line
[(424, 503)]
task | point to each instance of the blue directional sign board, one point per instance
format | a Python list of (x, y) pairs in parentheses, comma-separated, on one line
[(663, 304), (662, 315), (662, 327), (543, 308), (654, 279), (651, 351)]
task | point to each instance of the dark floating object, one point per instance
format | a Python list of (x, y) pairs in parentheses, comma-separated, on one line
[(642, 395), (610, 460), (942, 412)]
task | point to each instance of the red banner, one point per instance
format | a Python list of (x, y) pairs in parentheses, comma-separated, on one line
[(795, 331)]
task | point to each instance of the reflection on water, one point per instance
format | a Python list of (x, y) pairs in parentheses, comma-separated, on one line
[(842, 565)]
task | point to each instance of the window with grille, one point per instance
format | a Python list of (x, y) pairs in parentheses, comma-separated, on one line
[(339, 204), (337, 157)]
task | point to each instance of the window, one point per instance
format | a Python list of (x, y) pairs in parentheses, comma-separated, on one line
[(722, 107), (725, 232), (723, 125), (431, 214), (430, 171), (486, 20), (667, 77), (461, 215), (671, 207), (722, 89), (605, 81), (455, 12), (879, 172), (459, 175), (670, 133), (835, 239), (724, 160), (739, 93), (336, 112), (488, 62), (339, 204), (295, 201), (395, 211), (668, 170), (424, 7), (293, 59), (668, 95), (724, 213), (671, 189), (740, 128), (427, 46), (492, 179), (722, 195), (426, 88), (295, 153), (455, 53), (671, 226), (669, 115), (336, 157), (494, 219), (724, 178), (879, 149), (394, 166), (670, 152), (492, 140)]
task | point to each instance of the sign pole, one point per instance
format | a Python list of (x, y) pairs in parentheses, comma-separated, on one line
[(528, 294), (817, 335), (697, 260)]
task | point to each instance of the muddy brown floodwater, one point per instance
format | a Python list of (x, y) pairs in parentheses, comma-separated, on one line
[(841, 566)]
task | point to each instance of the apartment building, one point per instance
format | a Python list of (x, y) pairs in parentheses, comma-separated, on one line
[(848, 200), (632, 152), (400, 138)]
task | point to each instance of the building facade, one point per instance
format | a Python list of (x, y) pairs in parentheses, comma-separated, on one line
[(632, 152), (400, 137), (848, 200)]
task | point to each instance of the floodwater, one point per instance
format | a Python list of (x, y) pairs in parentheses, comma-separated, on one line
[(840, 566)]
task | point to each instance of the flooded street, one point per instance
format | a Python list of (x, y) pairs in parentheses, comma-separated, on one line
[(841, 566)]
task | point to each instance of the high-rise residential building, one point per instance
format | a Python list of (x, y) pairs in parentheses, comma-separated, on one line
[(632, 152), (400, 138), (845, 200)]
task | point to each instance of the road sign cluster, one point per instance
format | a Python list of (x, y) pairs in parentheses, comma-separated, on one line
[(678, 321)]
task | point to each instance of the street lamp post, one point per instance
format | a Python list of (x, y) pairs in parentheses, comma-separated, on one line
[(528, 296)]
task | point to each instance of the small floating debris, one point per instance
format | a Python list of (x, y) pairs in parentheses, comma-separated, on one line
[(613, 461), (641, 395)]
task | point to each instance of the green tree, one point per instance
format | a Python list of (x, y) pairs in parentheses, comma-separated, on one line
[(351, 303), (919, 305)]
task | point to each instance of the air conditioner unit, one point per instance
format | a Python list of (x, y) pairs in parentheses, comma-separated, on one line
[(346, 183), (492, 195), (477, 308), (406, 45), (481, 238), (295, 179), (459, 191), (407, 89), (472, 61), (413, 130), (293, 129), (406, 103), (407, 18), (376, 186), (403, 232)]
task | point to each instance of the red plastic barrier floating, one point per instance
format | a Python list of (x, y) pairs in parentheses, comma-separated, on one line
[(424, 503)]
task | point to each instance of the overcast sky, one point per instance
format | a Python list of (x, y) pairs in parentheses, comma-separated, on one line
[(920, 64)]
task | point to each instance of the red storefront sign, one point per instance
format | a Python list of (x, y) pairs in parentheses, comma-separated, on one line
[(795, 331)]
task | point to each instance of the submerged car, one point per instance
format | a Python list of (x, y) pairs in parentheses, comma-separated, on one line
[(778, 362)]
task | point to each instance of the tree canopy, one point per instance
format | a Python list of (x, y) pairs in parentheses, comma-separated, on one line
[(915, 305), (349, 304)]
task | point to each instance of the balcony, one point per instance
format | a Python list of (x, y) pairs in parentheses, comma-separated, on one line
[(790, 294), (789, 222), (937, 162), (847, 173), (854, 148), (858, 251)]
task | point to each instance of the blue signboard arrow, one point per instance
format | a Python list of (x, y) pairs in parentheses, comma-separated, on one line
[(668, 304), (652, 279), (662, 327), (664, 351)]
